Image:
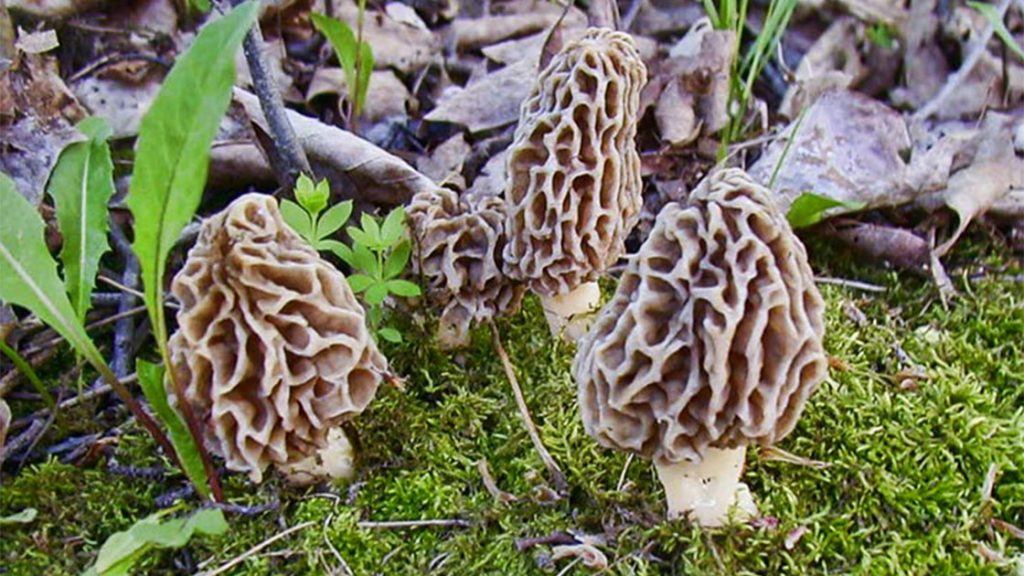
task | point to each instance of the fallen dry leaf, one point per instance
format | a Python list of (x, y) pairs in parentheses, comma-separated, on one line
[(847, 148), (386, 96), (536, 16), (833, 62), (36, 42), (340, 156), (901, 248), (122, 104), (446, 160), (490, 102), (30, 148)]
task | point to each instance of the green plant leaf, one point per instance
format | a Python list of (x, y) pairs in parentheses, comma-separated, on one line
[(123, 549), (390, 334), (393, 228), (992, 15), (360, 282), (173, 148), (26, 369), (361, 237), (342, 251), (364, 260), (809, 209), (372, 229), (312, 197), (297, 219), (334, 219), (28, 273), (376, 293), (363, 85), (24, 517), (199, 6), (151, 379), (345, 45), (396, 261), (403, 288), (81, 185)]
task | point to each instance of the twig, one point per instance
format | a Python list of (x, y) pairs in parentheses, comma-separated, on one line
[(524, 411), (121, 286), (492, 486), (287, 158), (404, 524), (242, 509), (122, 353), (114, 59), (625, 468), (856, 285), (974, 52), (91, 326), (553, 539), (255, 549)]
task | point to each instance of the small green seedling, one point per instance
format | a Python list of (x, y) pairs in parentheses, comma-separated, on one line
[(379, 254), (354, 55), (809, 209), (305, 217)]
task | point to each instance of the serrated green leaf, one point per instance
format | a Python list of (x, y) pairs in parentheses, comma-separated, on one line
[(28, 273), (809, 209), (403, 288), (376, 293), (396, 261), (992, 15), (390, 334), (81, 185), (173, 147), (297, 219), (24, 517), (365, 261), (372, 230), (359, 282), (334, 219), (151, 379), (123, 549), (312, 197), (344, 42), (393, 228)]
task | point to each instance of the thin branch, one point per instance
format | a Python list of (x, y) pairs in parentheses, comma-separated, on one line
[(856, 285), (403, 524), (524, 411), (974, 52), (255, 549), (287, 157)]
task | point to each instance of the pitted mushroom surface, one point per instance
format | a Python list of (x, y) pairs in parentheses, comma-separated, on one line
[(459, 240), (713, 339), (272, 346), (573, 174)]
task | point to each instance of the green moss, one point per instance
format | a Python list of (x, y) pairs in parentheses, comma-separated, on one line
[(902, 493)]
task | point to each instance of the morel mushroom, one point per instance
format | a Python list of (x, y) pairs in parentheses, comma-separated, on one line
[(459, 242), (272, 347), (573, 187), (712, 341)]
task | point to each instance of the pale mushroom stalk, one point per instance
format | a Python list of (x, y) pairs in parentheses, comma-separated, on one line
[(708, 492), (570, 314), (712, 342), (573, 185)]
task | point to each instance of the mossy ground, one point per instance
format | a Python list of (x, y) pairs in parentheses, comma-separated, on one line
[(902, 494)]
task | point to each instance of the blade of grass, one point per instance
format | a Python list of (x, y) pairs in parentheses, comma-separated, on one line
[(25, 368)]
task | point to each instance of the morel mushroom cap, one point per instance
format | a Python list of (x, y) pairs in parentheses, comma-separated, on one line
[(272, 347), (714, 337), (459, 242), (573, 188)]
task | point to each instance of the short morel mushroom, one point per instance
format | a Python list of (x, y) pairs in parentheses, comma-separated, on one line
[(573, 188), (459, 240), (712, 341), (272, 347)]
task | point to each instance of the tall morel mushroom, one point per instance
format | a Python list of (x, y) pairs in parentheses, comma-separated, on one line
[(459, 240), (573, 187), (712, 341), (272, 346)]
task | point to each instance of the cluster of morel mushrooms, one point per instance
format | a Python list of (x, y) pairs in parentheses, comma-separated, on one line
[(713, 339)]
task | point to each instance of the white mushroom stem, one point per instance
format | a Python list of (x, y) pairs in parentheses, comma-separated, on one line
[(708, 491), (569, 315)]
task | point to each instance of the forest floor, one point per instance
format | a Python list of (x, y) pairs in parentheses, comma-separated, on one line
[(909, 460)]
